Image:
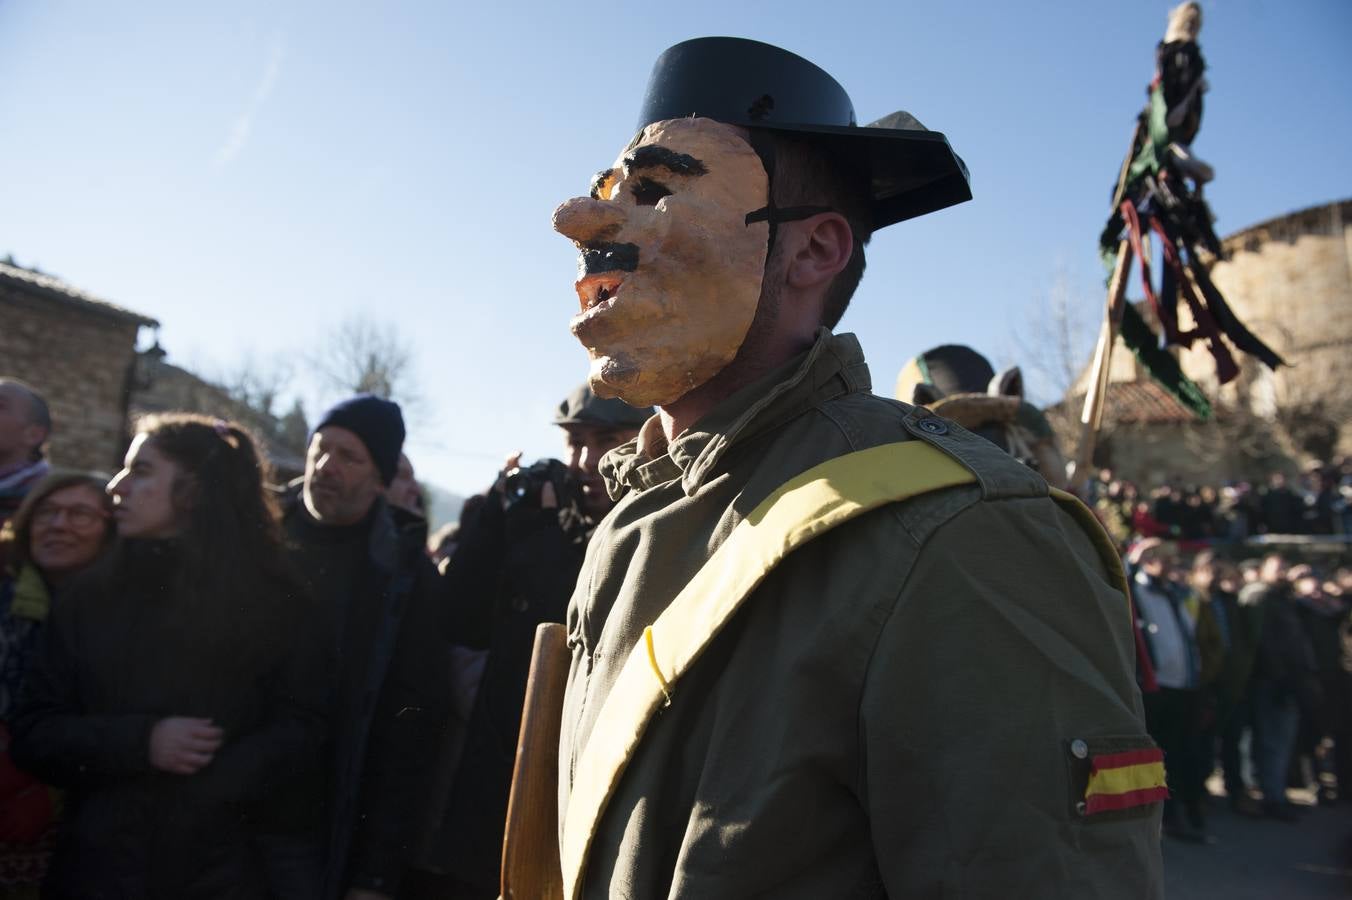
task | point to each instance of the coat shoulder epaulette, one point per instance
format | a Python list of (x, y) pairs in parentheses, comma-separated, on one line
[(998, 476), (867, 420)]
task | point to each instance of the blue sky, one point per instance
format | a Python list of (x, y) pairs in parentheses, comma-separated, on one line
[(253, 173)]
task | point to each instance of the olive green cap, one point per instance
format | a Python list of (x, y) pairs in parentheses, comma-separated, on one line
[(582, 407)]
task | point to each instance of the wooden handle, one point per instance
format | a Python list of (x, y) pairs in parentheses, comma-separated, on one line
[(1091, 417), (530, 845)]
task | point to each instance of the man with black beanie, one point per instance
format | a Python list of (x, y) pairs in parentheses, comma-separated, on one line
[(364, 562)]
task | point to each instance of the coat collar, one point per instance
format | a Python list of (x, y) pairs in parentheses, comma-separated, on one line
[(834, 366)]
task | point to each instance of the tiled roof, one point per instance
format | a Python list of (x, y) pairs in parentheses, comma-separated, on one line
[(1137, 403), (50, 286)]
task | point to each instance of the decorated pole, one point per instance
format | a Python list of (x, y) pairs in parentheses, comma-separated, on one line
[(1159, 196), (1091, 417)]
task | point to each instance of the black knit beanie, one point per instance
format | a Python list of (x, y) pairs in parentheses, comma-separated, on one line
[(379, 424)]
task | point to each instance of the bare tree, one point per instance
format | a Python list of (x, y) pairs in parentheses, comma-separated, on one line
[(362, 355), (260, 384), (1055, 337)]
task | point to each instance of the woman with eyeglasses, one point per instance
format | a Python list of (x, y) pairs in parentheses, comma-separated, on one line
[(177, 691), (59, 530)]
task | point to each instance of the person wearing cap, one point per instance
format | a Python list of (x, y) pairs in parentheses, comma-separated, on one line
[(516, 569), (826, 644), (363, 560), (594, 426)]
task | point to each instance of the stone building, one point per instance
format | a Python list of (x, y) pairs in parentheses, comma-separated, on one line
[(79, 351), (172, 388), (1290, 280)]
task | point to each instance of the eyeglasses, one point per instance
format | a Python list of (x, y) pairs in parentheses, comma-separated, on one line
[(81, 517)]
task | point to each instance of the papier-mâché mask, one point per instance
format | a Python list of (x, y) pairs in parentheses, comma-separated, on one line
[(670, 272)]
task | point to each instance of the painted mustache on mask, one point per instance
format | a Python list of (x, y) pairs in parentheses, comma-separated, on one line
[(598, 257)]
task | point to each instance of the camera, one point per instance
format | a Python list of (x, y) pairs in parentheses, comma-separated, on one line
[(523, 485)]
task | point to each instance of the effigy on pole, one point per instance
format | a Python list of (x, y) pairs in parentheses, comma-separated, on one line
[(1159, 195)]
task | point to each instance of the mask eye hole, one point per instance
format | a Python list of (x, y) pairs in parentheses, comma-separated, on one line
[(647, 192), (603, 184)]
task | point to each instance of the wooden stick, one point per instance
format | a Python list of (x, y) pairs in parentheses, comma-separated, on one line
[(1091, 417), (530, 844), (1126, 165)]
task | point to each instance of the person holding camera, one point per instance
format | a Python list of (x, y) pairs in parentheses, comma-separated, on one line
[(515, 569)]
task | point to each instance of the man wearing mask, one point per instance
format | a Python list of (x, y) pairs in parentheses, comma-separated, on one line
[(826, 644), (364, 561), (518, 567)]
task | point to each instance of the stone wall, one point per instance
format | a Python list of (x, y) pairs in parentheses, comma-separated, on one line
[(79, 359), (1290, 280), (178, 390)]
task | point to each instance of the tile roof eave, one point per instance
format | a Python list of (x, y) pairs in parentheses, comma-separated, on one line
[(56, 289)]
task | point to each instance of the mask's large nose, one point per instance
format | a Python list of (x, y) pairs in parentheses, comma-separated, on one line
[(584, 220)]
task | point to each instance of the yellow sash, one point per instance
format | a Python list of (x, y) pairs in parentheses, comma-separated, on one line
[(802, 509)]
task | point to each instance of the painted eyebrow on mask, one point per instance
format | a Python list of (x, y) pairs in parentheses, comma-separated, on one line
[(655, 157), (650, 157)]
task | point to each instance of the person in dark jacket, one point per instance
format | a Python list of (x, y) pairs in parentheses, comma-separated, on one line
[(377, 593), (1281, 508), (1324, 712), (515, 570), (61, 528), (174, 692), (1284, 667)]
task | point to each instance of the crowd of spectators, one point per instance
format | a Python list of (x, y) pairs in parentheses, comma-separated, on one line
[(216, 686), (1243, 609), (1319, 502)]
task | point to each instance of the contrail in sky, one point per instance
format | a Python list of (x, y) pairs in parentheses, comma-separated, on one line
[(239, 132)]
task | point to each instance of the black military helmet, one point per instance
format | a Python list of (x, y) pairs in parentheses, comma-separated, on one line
[(913, 171), (582, 407)]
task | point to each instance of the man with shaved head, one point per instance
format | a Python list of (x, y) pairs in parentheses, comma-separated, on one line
[(826, 644), (25, 424)]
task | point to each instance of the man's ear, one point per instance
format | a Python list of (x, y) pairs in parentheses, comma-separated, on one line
[(825, 251), (35, 435)]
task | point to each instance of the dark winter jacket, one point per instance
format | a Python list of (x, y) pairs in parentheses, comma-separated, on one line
[(125, 649), (516, 571), (390, 688), (1285, 656)]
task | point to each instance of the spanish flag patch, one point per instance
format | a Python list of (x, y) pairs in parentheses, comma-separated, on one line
[(1123, 780)]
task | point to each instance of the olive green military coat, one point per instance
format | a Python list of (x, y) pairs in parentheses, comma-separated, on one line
[(901, 709)]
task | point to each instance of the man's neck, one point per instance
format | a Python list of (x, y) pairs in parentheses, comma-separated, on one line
[(750, 365), (331, 532), (14, 462)]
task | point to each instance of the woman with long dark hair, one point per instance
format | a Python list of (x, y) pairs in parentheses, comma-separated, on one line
[(179, 691)]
